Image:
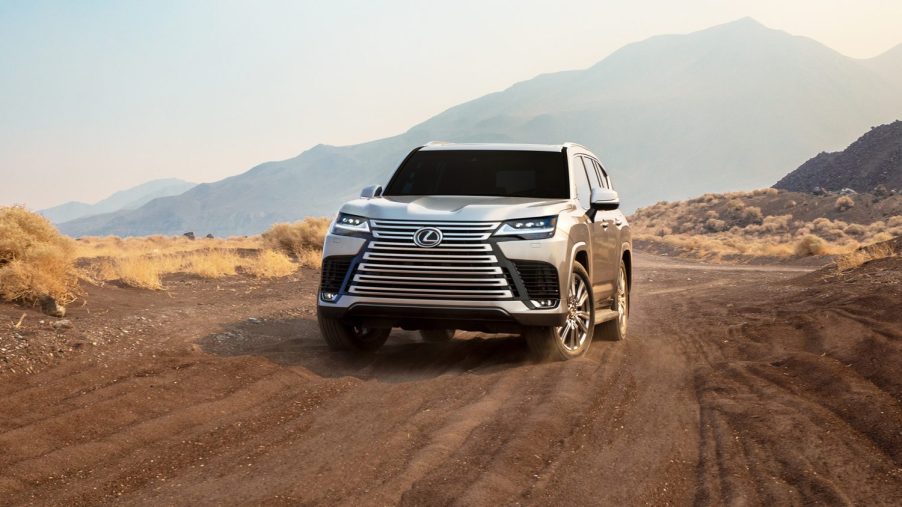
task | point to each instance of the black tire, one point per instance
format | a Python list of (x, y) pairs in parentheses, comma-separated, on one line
[(615, 329), (573, 339), (340, 335), (436, 335)]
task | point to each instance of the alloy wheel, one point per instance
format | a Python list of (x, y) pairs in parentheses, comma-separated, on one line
[(575, 330)]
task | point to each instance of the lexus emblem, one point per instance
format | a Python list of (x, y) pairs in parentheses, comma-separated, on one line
[(427, 237)]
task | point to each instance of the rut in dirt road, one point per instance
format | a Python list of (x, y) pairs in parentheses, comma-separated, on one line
[(726, 391)]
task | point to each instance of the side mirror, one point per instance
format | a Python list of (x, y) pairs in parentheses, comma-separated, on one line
[(371, 191), (604, 199)]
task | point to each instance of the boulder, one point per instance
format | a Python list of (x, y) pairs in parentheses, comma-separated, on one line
[(50, 307)]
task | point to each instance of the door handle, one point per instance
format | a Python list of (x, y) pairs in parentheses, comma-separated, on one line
[(605, 224), (618, 221)]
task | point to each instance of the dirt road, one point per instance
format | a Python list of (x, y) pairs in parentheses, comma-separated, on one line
[(735, 386)]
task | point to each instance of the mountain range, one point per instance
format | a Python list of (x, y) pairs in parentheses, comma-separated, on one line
[(874, 159), (730, 107), (123, 200)]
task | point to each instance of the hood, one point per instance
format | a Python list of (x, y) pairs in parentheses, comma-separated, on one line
[(455, 208)]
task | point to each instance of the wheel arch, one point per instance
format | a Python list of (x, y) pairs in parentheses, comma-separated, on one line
[(627, 258), (579, 253)]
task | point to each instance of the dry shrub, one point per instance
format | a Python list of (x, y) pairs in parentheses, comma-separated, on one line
[(865, 254), (300, 236), (212, 263), (270, 264), (715, 225), (811, 245), (752, 214), (146, 271), (856, 229), (843, 203), (310, 258), (140, 272), (35, 259), (735, 205), (881, 236), (115, 247)]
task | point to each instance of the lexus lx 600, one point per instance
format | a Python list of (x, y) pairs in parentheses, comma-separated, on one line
[(486, 237)]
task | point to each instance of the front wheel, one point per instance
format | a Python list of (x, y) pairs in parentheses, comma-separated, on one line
[(341, 335), (573, 338)]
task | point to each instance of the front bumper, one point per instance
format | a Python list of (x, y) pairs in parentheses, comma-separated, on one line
[(494, 316)]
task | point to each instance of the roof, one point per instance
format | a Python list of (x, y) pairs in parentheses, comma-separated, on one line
[(443, 146)]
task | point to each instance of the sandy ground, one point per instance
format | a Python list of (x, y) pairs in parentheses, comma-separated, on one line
[(758, 385)]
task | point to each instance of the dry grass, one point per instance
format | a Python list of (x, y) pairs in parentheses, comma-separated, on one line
[(143, 261), (811, 245), (858, 257), (843, 203), (302, 239), (271, 264), (298, 237), (116, 247), (725, 226), (35, 259)]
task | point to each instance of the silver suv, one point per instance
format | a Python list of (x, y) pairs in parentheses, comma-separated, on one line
[(498, 238)]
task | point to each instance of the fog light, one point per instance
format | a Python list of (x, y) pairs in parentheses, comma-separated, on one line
[(545, 303), (329, 296)]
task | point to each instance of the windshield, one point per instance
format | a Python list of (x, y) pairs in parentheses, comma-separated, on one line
[(540, 174)]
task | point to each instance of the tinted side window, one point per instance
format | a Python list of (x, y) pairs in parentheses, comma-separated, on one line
[(583, 190), (591, 172), (603, 175)]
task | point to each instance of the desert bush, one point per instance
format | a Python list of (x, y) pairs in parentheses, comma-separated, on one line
[(298, 237), (752, 215), (35, 259), (776, 223), (843, 203), (140, 272), (270, 264), (212, 263), (865, 254), (811, 245), (715, 225), (880, 236), (735, 205), (310, 258), (855, 229)]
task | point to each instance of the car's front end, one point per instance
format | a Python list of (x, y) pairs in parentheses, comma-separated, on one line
[(476, 263)]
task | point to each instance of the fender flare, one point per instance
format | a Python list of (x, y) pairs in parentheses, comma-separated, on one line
[(579, 246)]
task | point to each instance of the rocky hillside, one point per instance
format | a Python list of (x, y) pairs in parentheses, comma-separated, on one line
[(873, 160), (766, 223)]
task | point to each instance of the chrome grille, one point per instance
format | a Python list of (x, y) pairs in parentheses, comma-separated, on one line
[(463, 266)]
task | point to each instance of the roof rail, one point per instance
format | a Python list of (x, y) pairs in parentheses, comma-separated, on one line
[(436, 143), (569, 144)]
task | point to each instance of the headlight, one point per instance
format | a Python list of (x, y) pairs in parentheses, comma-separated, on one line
[(349, 224), (529, 228)]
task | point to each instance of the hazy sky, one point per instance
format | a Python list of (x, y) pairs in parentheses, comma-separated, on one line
[(98, 96)]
